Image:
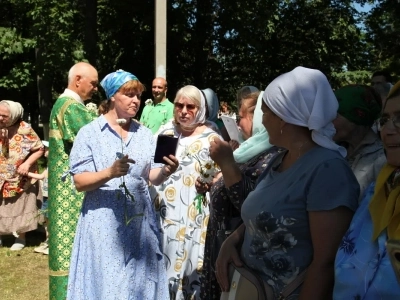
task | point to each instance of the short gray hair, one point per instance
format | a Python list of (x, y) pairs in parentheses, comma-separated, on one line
[(191, 92)]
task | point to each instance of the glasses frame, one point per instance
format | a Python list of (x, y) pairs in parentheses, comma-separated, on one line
[(393, 119), (189, 107)]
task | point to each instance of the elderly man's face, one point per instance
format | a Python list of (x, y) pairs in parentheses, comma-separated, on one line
[(87, 84)]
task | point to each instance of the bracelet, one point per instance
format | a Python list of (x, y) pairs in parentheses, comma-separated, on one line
[(162, 173)]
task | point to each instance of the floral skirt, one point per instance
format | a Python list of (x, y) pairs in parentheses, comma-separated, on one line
[(19, 213)]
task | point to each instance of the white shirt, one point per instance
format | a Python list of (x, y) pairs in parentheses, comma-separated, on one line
[(72, 94)]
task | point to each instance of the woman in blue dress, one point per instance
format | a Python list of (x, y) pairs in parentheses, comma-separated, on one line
[(362, 266), (116, 252)]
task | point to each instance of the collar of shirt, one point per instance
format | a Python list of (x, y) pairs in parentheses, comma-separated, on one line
[(163, 103), (72, 94), (102, 121)]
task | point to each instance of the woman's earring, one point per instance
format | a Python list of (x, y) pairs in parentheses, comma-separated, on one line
[(281, 131)]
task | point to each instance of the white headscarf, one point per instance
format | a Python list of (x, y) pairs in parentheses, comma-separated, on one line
[(212, 103), (200, 117), (305, 98), (16, 111), (201, 113)]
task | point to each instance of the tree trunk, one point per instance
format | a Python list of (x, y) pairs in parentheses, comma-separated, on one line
[(90, 45), (203, 33), (45, 97)]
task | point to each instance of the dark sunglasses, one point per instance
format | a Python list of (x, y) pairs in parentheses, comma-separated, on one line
[(180, 106)]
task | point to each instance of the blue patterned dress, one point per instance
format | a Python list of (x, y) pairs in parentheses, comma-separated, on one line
[(362, 267), (277, 242), (113, 258)]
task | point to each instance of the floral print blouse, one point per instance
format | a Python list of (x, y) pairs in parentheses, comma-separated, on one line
[(13, 154)]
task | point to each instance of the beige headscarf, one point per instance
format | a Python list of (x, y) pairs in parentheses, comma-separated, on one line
[(16, 111)]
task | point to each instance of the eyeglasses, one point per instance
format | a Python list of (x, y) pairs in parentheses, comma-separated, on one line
[(180, 106), (395, 120)]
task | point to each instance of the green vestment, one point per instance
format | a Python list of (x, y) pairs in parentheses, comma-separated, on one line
[(67, 117)]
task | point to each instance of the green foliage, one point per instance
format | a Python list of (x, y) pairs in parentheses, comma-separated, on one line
[(221, 44), (383, 31), (19, 77), (42, 164), (12, 43), (351, 77)]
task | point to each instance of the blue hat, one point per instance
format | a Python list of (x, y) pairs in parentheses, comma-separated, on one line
[(113, 81)]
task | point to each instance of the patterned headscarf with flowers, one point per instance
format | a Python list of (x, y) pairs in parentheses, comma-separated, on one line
[(359, 104)]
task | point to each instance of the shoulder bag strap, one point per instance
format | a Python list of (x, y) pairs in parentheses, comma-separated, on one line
[(291, 287)]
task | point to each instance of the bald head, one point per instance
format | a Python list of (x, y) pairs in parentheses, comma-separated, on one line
[(83, 80), (80, 69), (159, 89)]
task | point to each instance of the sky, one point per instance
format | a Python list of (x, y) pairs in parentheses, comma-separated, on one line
[(366, 7)]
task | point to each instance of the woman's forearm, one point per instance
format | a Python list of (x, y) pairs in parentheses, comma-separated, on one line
[(157, 176), (318, 283), (89, 181), (33, 157), (36, 176), (238, 235), (231, 173)]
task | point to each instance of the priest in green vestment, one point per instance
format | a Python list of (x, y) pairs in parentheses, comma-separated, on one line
[(68, 115)]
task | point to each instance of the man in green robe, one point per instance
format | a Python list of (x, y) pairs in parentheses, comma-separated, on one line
[(68, 115)]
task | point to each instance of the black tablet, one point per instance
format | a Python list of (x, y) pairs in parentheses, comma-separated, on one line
[(166, 145)]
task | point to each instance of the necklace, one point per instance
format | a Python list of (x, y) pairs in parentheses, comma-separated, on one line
[(283, 166)]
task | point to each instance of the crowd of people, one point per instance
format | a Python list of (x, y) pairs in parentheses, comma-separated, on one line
[(309, 194)]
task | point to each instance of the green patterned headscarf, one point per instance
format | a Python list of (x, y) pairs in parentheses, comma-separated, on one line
[(359, 104)]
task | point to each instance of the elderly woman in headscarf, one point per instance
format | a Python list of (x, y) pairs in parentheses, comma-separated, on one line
[(362, 268), (240, 170), (304, 201), (20, 149), (183, 213), (212, 107), (359, 107), (116, 252)]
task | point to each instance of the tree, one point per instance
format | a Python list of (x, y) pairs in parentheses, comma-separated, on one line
[(383, 31), (220, 44)]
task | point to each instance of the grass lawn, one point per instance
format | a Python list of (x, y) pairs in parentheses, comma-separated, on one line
[(24, 274)]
